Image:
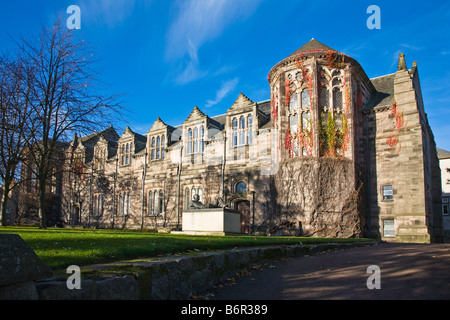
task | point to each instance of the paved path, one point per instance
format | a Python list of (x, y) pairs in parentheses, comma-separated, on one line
[(408, 271)]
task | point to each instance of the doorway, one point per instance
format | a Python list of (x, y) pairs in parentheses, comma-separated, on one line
[(244, 208)]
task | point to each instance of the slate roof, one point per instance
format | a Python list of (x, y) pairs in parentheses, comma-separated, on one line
[(385, 92), (443, 154), (312, 44)]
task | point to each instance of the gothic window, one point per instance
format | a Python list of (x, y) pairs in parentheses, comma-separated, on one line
[(150, 203), (193, 193), (156, 203), (293, 102), (196, 139), (200, 194), (336, 82), (163, 146), (250, 129), (235, 136), (202, 137), (158, 147), (242, 130), (187, 198), (160, 202), (306, 99), (293, 126), (306, 120), (127, 151), (337, 100), (120, 205), (124, 204), (190, 141), (98, 205), (153, 149), (324, 99)]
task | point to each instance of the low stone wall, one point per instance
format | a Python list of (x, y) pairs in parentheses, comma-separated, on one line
[(173, 278)]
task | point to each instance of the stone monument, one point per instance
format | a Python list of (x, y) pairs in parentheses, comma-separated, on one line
[(210, 219)]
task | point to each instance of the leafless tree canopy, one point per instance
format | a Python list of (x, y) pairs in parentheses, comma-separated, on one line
[(54, 85)]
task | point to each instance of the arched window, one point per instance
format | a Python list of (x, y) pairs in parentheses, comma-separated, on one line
[(189, 141), (324, 99), (195, 140), (250, 129), (153, 152), (158, 144), (202, 137), (200, 194), (242, 130), (337, 100), (120, 204), (306, 120), (293, 102), (150, 203), (193, 193), (163, 146), (161, 202), (241, 187), (306, 99), (187, 198), (235, 127)]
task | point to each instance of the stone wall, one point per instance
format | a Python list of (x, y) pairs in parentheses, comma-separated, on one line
[(317, 197), (173, 278)]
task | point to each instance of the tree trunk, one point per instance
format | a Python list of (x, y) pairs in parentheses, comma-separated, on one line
[(4, 203), (42, 216)]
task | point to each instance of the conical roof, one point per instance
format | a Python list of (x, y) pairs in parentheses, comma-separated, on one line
[(312, 45)]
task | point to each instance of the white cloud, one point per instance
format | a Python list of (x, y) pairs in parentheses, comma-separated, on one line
[(197, 22), (224, 90)]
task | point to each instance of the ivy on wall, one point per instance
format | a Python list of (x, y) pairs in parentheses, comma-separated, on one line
[(333, 138), (400, 124)]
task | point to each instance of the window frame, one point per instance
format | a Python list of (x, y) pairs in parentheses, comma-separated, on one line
[(385, 197), (389, 232)]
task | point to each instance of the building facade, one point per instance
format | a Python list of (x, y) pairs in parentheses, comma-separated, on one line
[(332, 153), (444, 163)]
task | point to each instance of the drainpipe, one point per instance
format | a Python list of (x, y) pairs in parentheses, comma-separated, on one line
[(223, 165), (179, 181), (114, 193), (144, 173), (90, 195)]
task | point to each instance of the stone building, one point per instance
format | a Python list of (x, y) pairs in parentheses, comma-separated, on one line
[(444, 163), (331, 153)]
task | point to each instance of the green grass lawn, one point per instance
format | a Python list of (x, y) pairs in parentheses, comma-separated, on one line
[(60, 248)]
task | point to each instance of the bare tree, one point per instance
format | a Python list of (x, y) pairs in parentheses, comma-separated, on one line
[(17, 124), (65, 98)]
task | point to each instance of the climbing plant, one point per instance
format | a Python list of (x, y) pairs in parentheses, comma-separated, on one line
[(399, 124)]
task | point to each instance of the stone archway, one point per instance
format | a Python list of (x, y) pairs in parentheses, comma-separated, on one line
[(243, 206)]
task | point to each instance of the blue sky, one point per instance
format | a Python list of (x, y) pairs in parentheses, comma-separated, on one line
[(169, 56)]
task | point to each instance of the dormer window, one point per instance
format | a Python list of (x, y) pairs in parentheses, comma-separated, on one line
[(127, 151), (242, 130), (195, 139), (157, 147), (100, 159)]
